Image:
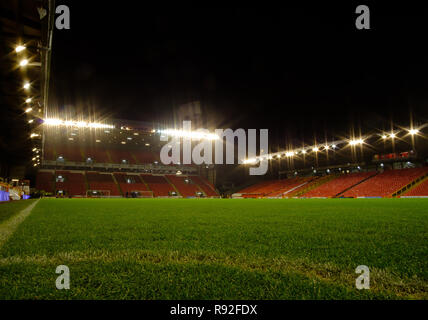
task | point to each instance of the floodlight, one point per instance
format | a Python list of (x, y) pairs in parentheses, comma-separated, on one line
[(20, 48), (413, 131), (28, 110), (28, 100), (23, 62), (315, 149), (26, 85)]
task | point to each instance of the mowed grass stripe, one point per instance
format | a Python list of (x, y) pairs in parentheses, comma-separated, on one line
[(382, 281), (320, 240), (9, 226)]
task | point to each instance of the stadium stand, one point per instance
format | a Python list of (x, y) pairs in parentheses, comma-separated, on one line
[(49, 152), (336, 186), (257, 188), (385, 183), (206, 187), (273, 188), (420, 190), (118, 156), (102, 181), (130, 182), (185, 186), (45, 181), (96, 154), (74, 183), (158, 184), (69, 152), (145, 157)]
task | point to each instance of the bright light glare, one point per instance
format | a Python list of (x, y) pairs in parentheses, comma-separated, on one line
[(249, 161), (190, 134), (384, 136), (23, 62), (392, 135), (79, 124), (303, 151), (28, 100), (326, 147), (355, 142), (27, 85), (289, 154), (413, 131), (28, 110), (20, 48), (315, 149)]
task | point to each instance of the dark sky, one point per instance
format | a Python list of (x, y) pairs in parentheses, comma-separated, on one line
[(298, 71)]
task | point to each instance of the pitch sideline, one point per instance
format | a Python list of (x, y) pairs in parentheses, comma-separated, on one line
[(8, 227)]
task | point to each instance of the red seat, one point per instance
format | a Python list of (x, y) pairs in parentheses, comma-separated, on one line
[(386, 183), (158, 184), (102, 181), (74, 183)]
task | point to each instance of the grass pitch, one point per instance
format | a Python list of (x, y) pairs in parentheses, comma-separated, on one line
[(218, 249)]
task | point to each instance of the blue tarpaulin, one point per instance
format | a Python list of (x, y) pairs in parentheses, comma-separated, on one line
[(4, 196)]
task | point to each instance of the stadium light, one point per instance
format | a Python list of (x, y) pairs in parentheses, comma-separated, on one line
[(413, 131), (333, 146), (79, 124), (26, 85), (355, 142), (303, 151), (28, 100), (392, 135), (326, 147), (190, 134), (289, 154), (30, 121), (34, 135), (20, 48), (248, 161), (23, 62), (315, 149), (384, 136), (28, 110)]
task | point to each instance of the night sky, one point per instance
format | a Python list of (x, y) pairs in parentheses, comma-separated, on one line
[(298, 71)]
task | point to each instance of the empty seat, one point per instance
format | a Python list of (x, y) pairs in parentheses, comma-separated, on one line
[(386, 183), (73, 183), (185, 186), (158, 184), (333, 187), (102, 181), (130, 182)]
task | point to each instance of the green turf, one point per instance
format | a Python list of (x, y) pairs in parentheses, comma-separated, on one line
[(219, 249), (11, 208)]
